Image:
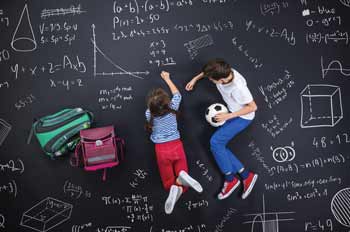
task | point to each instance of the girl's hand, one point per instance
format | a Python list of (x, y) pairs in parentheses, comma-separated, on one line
[(190, 85), (223, 117), (165, 75)]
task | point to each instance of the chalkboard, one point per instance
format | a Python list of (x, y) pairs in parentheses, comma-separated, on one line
[(105, 56)]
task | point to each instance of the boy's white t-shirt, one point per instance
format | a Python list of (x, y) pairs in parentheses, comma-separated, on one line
[(236, 94)]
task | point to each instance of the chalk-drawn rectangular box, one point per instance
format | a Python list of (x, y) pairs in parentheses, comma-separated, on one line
[(46, 215), (321, 106)]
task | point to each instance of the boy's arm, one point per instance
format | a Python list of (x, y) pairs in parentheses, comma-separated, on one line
[(194, 80), (248, 108)]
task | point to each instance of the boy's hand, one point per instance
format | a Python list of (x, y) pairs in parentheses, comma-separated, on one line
[(190, 85), (165, 75), (223, 117)]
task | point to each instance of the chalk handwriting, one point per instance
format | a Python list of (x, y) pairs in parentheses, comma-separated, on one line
[(107, 98), (3, 19), (67, 84), (274, 127), (273, 8), (67, 64), (199, 27), (229, 213), (189, 228), (114, 229), (313, 194), (10, 188), (319, 225), (329, 21), (25, 101), (4, 55), (326, 38), (13, 166), (79, 228), (75, 191), (136, 206), (2, 221), (72, 10), (277, 91), (195, 205), (204, 170), (138, 176), (159, 54), (285, 185), (256, 153), (4, 84), (324, 141), (243, 49), (316, 163), (272, 32)]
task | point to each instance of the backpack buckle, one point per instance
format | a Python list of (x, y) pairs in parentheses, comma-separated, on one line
[(98, 143)]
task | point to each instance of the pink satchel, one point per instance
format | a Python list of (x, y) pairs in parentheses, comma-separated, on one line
[(99, 148)]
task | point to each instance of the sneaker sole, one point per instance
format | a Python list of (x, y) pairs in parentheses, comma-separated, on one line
[(170, 201), (246, 194), (191, 182), (229, 193)]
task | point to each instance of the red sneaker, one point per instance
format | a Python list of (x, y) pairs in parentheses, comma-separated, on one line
[(248, 184), (228, 188)]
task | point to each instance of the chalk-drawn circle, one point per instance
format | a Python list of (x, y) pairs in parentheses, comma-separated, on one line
[(345, 2), (280, 154), (340, 206), (291, 153), (23, 44)]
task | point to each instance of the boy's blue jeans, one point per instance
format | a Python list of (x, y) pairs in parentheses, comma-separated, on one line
[(226, 160)]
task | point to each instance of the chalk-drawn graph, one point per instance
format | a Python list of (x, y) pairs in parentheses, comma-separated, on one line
[(46, 214), (194, 45), (23, 39), (269, 222), (340, 206), (334, 65), (321, 106), (121, 71), (45, 13), (4, 130), (345, 2)]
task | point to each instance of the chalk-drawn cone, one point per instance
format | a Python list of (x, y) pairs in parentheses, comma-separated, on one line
[(23, 39)]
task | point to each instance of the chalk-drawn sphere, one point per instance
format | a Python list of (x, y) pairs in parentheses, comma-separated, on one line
[(340, 206)]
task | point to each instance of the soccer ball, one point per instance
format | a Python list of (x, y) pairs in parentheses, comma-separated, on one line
[(213, 110)]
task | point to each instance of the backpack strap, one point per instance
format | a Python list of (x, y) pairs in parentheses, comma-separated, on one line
[(120, 146), (74, 160)]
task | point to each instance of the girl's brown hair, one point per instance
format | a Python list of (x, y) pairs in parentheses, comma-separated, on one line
[(158, 103)]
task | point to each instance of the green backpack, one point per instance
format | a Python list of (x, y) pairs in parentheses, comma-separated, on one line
[(59, 132)]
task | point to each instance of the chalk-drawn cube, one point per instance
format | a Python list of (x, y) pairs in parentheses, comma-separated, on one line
[(46, 215), (321, 106)]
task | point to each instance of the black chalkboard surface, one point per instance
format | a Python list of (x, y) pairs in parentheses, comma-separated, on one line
[(105, 56)]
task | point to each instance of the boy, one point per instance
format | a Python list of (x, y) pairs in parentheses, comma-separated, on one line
[(233, 89)]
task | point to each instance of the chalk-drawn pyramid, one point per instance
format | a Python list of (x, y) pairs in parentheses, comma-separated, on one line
[(116, 69), (23, 39)]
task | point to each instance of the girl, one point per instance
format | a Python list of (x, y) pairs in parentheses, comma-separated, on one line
[(171, 157)]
